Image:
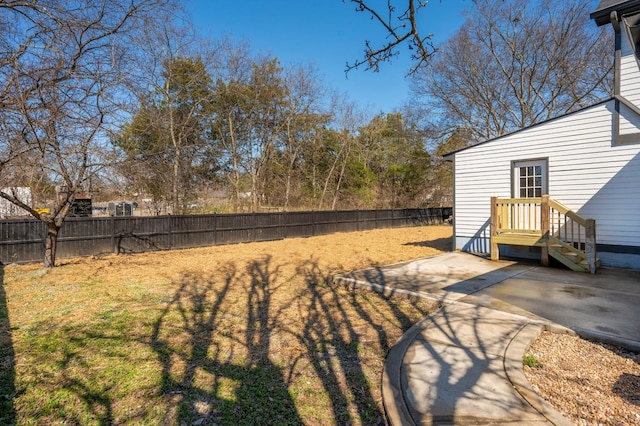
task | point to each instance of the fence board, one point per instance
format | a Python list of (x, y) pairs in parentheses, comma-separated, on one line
[(299, 224), (22, 240), (193, 231)]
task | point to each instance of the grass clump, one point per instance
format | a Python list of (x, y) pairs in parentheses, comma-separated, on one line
[(531, 361)]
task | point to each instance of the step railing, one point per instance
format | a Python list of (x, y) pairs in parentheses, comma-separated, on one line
[(543, 222)]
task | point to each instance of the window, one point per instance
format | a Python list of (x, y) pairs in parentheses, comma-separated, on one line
[(530, 179)]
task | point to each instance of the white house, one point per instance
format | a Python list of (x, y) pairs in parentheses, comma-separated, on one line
[(8, 209), (588, 160)]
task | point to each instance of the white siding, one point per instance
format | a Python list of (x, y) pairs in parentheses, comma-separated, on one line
[(586, 172), (629, 87), (629, 122), (629, 75)]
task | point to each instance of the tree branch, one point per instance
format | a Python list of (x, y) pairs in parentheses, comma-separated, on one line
[(400, 28)]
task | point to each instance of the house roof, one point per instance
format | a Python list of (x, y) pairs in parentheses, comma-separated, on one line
[(449, 156), (602, 14)]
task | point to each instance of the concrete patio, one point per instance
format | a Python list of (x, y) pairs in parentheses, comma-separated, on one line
[(463, 363)]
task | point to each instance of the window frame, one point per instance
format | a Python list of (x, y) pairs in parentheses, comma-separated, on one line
[(515, 176)]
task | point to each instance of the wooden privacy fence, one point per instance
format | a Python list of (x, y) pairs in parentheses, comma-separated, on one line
[(22, 240)]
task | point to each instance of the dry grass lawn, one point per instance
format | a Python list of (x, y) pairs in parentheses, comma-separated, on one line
[(238, 334)]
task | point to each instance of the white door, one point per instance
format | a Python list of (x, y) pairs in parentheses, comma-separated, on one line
[(530, 179)]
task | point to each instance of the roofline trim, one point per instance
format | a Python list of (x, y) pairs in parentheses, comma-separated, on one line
[(603, 16), (449, 156)]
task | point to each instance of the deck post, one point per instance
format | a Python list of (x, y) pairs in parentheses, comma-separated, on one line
[(495, 252), (544, 228), (590, 244)]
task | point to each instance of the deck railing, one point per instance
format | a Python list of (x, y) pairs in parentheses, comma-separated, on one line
[(546, 223), (518, 215)]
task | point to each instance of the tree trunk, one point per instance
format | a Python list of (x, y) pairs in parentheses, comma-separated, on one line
[(328, 179), (175, 186), (254, 192), (287, 192), (50, 245), (337, 192), (291, 166), (235, 179)]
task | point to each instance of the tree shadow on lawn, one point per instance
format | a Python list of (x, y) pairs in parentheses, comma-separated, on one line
[(442, 244), (340, 351), (215, 371), (53, 372), (81, 373), (7, 360), (252, 345)]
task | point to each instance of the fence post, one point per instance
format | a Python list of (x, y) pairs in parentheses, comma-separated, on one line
[(544, 228), (313, 223), (114, 249), (495, 253), (215, 229), (169, 233), (590, 245), (253, 226)]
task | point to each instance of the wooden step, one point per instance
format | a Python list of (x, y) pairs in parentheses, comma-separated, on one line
[(574, 261), (584, 262), (569, 262)]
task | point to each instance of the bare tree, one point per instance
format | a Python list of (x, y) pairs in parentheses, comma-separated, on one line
[(400, 27), (168, 132), (266, 113), (249, 115), (342, 144), (515, 63), (60, 81), (305, 123), (231, 121)]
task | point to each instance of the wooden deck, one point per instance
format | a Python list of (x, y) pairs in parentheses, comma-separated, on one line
[(520, 239), (545, 223)]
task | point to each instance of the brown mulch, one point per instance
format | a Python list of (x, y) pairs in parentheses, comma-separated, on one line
[(589, 383)]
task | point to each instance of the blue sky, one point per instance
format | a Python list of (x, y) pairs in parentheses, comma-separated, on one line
[(328, 34)]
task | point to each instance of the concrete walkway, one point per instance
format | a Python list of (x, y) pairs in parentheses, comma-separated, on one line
[(463, 363)]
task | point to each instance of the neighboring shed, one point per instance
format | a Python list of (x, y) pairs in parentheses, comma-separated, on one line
[(588, 161)]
